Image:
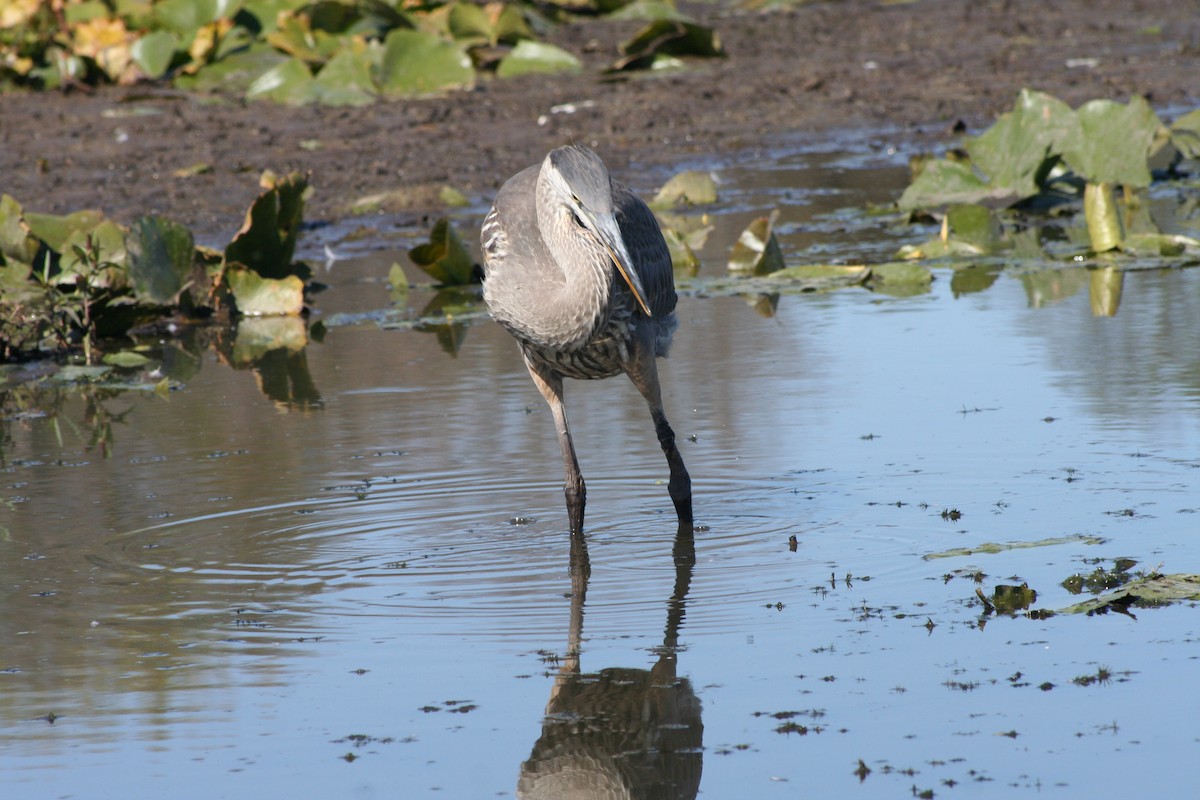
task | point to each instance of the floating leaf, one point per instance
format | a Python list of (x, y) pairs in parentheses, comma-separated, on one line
[(900, 279), (154, 52), (258, 296), (445, 257), (539, 57), (1113, 142), (991, 548), (649, 10), (683, 257), (55, 230), (757, 251), (160, 259), (821, 277), (17, 245), (944, 181), (416, 63), (235, 72), (346, 79), (126, 359), (105, 245), (188, 16), (490, 24), (692, 187), (289, 83), (1148, 592)]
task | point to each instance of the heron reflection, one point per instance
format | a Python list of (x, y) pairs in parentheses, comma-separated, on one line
[(621, 732)]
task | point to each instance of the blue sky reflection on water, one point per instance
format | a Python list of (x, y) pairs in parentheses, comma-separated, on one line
[(227, 608)]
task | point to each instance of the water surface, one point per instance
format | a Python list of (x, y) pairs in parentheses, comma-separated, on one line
[(346, 572)]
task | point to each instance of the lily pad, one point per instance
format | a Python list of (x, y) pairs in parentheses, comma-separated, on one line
[(991, 548), (416, 63), (289, 83), (944, 181), (445, 257), (1016, 150), (259, 296), (757, 251), (235, 72), (1148, 592), (900, 279), (489, 24), (346, 79), (691, 187), (1113, 142), (126, 359), (55, 230), (154, 52), (160, 259), (17, 245), (667, 37), (1185, 134), (537, 57)]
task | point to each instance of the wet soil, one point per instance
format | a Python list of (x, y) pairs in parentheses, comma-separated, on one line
[(914, 67)]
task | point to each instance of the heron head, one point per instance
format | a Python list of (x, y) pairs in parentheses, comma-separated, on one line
[(582, 185)]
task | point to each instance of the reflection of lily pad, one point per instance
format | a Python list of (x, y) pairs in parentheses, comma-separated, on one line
[(1147, 592), (991, 548)]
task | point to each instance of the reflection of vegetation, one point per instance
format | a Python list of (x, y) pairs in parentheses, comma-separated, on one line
[(66, 281), (47, 400), (336, 52)]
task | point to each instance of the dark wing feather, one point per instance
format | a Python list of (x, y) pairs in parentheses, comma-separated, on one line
[(647, 248)]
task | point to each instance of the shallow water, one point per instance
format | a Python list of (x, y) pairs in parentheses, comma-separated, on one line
[(365, 553)]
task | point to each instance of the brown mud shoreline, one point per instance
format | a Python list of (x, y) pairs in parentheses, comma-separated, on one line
[(917, 67)]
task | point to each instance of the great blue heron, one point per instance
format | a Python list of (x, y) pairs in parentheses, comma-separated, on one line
[(576, 269)]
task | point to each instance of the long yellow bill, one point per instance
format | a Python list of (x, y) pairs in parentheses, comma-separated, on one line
[(629, 281)]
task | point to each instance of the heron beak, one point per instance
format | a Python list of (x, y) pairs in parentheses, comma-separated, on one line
[(610, 237)]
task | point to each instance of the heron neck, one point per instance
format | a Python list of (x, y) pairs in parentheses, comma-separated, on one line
[(577, 307)]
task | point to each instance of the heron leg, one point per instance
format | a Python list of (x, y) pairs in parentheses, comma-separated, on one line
[(644, 373), (550, 385)]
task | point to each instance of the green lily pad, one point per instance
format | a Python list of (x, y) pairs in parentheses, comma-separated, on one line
[(54, 229), (154, 52), (17, 245), (821, 277), (757, 251), (445, 257), (416, 63), (537, 57), (160, 259), (1016, 150), (235, 72), (900, 278), (487, 25), (104, 244), (126, 359), (1185, 134), (289, 83), (944, 181), (1113, 142), (346, 79), (188, 16), (259, 296), (691, 187)]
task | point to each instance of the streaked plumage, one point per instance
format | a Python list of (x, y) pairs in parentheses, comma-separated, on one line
[(576, 269)]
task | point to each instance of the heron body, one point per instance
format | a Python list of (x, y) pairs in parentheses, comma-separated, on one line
[(576, 269)]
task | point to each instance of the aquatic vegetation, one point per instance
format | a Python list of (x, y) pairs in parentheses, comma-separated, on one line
[(73, 279), (336, 52), (1044, 162)]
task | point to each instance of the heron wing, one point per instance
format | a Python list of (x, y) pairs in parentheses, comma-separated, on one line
[(647, 248)]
